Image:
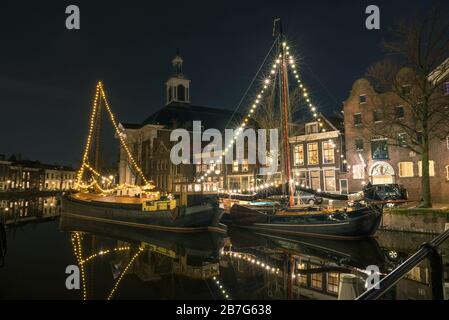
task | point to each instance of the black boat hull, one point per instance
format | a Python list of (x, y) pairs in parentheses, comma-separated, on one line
[(196, 218), (360, 223)]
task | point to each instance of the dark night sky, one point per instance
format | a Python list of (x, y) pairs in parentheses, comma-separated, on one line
[(48, 73)]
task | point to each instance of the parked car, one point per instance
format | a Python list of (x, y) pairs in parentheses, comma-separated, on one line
[(308, 198), (385, 192)]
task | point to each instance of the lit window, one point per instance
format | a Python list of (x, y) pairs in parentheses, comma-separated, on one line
[(333, 280), (311, 128), (357, 119), (328, 152), (298, 155), (447, 173), (431, 168), (358, 171), (235, 166), (197, 187), (312, 153), (405, 169), (329, 180), (315, 181), (447, 142), (302, 178), (245, 166), (317, 280), (362, 98)]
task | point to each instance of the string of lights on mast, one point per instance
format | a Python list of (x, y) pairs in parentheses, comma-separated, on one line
[(256, 103)]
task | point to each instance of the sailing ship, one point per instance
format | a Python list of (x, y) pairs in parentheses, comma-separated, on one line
[(139, 206), (259, 211)]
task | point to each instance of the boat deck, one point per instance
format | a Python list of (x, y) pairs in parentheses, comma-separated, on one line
[(107, 199)]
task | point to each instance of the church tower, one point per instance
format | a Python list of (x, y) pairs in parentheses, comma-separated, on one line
[(178, 87)]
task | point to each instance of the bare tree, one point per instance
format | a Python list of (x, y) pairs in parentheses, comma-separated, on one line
[(414, 77)]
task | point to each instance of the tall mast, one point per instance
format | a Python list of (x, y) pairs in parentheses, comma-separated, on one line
[(285, 112)]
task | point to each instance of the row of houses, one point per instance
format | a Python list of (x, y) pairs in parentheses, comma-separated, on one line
[(21, 175), (335, 154)]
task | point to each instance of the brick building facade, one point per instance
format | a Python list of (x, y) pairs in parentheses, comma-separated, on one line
[(376, 159), (317, 160)]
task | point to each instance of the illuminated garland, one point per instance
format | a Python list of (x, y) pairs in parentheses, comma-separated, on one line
[(251, 259), (124, 272), (76, 243), (306, 96), (256, 103), (100, 94), (221, 288), (267, 81)]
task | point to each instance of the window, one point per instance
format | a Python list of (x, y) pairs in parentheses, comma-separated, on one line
[(333, 279), (235, 166), (447, 173), (405, 169), (315, 183), (245, 166), (402, 139), (359, 144), (317, 280), (328, 152), (446, 88), (357, 119), (329, 180), (431, 168), (358, 171), (302, 178), (399, 112), (312, 153), (377, 116), (379, 149), (311, 128), (362, 98), (447, 142), (298, 155)]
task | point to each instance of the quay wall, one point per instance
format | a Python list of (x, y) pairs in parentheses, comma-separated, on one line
[(428, 221)]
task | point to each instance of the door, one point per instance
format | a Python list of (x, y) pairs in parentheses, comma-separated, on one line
[(344, 186)]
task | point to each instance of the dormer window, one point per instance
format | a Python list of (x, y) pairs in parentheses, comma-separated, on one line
[(312, 128)]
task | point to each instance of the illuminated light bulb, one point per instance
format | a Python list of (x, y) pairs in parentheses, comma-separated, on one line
[(267, 81), (284, 44), (293, 276)]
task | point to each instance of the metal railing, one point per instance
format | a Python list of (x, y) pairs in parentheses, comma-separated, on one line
[(427, 250)]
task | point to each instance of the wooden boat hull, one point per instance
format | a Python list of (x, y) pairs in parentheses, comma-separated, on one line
[(360, 223), (195, 218)]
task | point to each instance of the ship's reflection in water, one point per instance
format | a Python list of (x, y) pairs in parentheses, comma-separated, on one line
[(119, 262), (242, 265)]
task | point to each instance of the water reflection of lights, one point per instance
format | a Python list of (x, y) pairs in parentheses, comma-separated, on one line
[(221, 288), (250, 259)]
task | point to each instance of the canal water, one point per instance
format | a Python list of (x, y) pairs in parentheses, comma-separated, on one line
[(124, 263)]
